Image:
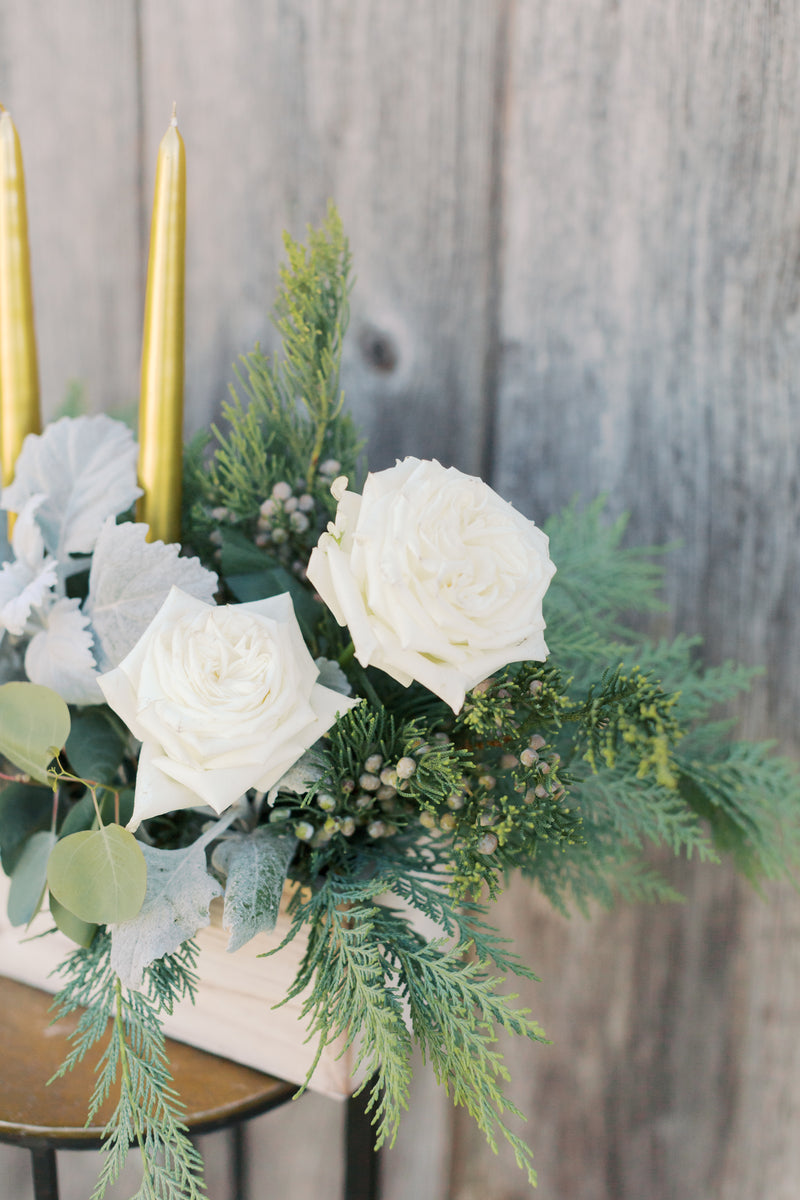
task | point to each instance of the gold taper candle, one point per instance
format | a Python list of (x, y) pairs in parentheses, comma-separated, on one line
[(19, 374), (161, 395)]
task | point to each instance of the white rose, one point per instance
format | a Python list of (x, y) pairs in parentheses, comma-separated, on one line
[(222, 698), (437, 577)]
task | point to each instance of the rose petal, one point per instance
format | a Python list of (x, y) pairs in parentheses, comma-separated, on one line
[(438, 580)]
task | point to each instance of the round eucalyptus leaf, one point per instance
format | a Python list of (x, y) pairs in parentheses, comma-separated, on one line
[(34, 725), (29, 879), (100, 875), (73, 927)]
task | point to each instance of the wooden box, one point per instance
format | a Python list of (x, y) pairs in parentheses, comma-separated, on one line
[(233, 1015)]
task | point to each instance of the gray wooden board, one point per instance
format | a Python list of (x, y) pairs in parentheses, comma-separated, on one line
[(387, 109), (68, 77), (575, 226)]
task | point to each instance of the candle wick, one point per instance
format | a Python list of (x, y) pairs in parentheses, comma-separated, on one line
[(174, 120)]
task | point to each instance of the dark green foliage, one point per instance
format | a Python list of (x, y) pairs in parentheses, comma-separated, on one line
[(25, 809), (96, 743)]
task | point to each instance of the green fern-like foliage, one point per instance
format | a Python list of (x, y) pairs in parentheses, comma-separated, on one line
[(134, 1066), (267, 469), (366, 962), (645, 757)]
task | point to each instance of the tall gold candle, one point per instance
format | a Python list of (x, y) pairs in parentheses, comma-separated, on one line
[(19, 374), (161, 396)]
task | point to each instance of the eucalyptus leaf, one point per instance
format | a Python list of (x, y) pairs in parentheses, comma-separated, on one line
[(252, 574), (24, 809), (238, 555), (81, 815), (29, 879), (255, 585), (96, 745), (81, 932), (99, 875), (179, 892), (34, 725), (255, 865)]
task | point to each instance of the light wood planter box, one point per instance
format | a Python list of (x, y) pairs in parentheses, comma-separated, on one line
[(232, 1015)]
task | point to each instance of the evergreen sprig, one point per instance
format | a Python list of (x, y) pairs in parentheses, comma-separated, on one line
[(750, 799), (366, 963), (283, 425), (600, 581), (148, 1111)]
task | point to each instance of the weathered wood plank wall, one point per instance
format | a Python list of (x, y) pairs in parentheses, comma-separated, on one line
[(576, 226)]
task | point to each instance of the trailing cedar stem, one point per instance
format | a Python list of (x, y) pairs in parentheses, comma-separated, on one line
[(127, 1083)]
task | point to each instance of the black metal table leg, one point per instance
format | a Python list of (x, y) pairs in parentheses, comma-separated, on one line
[(362, 1163), (240, 1163), (45, 1174)]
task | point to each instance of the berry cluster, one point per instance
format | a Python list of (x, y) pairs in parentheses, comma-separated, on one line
[(372, 802)]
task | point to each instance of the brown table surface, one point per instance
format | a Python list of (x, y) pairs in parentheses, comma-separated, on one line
[(214, 1091)]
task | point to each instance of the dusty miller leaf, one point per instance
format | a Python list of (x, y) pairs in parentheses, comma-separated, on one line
[(86, 468), (256, 865), (60, 655), (298, 779), (26, 581), (176, 904), (129, 581), (332, 676)]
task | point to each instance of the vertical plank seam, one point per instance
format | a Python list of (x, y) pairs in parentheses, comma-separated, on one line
[(494, 282)]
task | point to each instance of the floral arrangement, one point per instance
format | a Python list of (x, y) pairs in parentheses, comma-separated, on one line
[(346, 686)]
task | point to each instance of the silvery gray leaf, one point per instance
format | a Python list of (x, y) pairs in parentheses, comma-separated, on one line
[(176, 905), (129, 581), (86, 468), (256, 866)]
